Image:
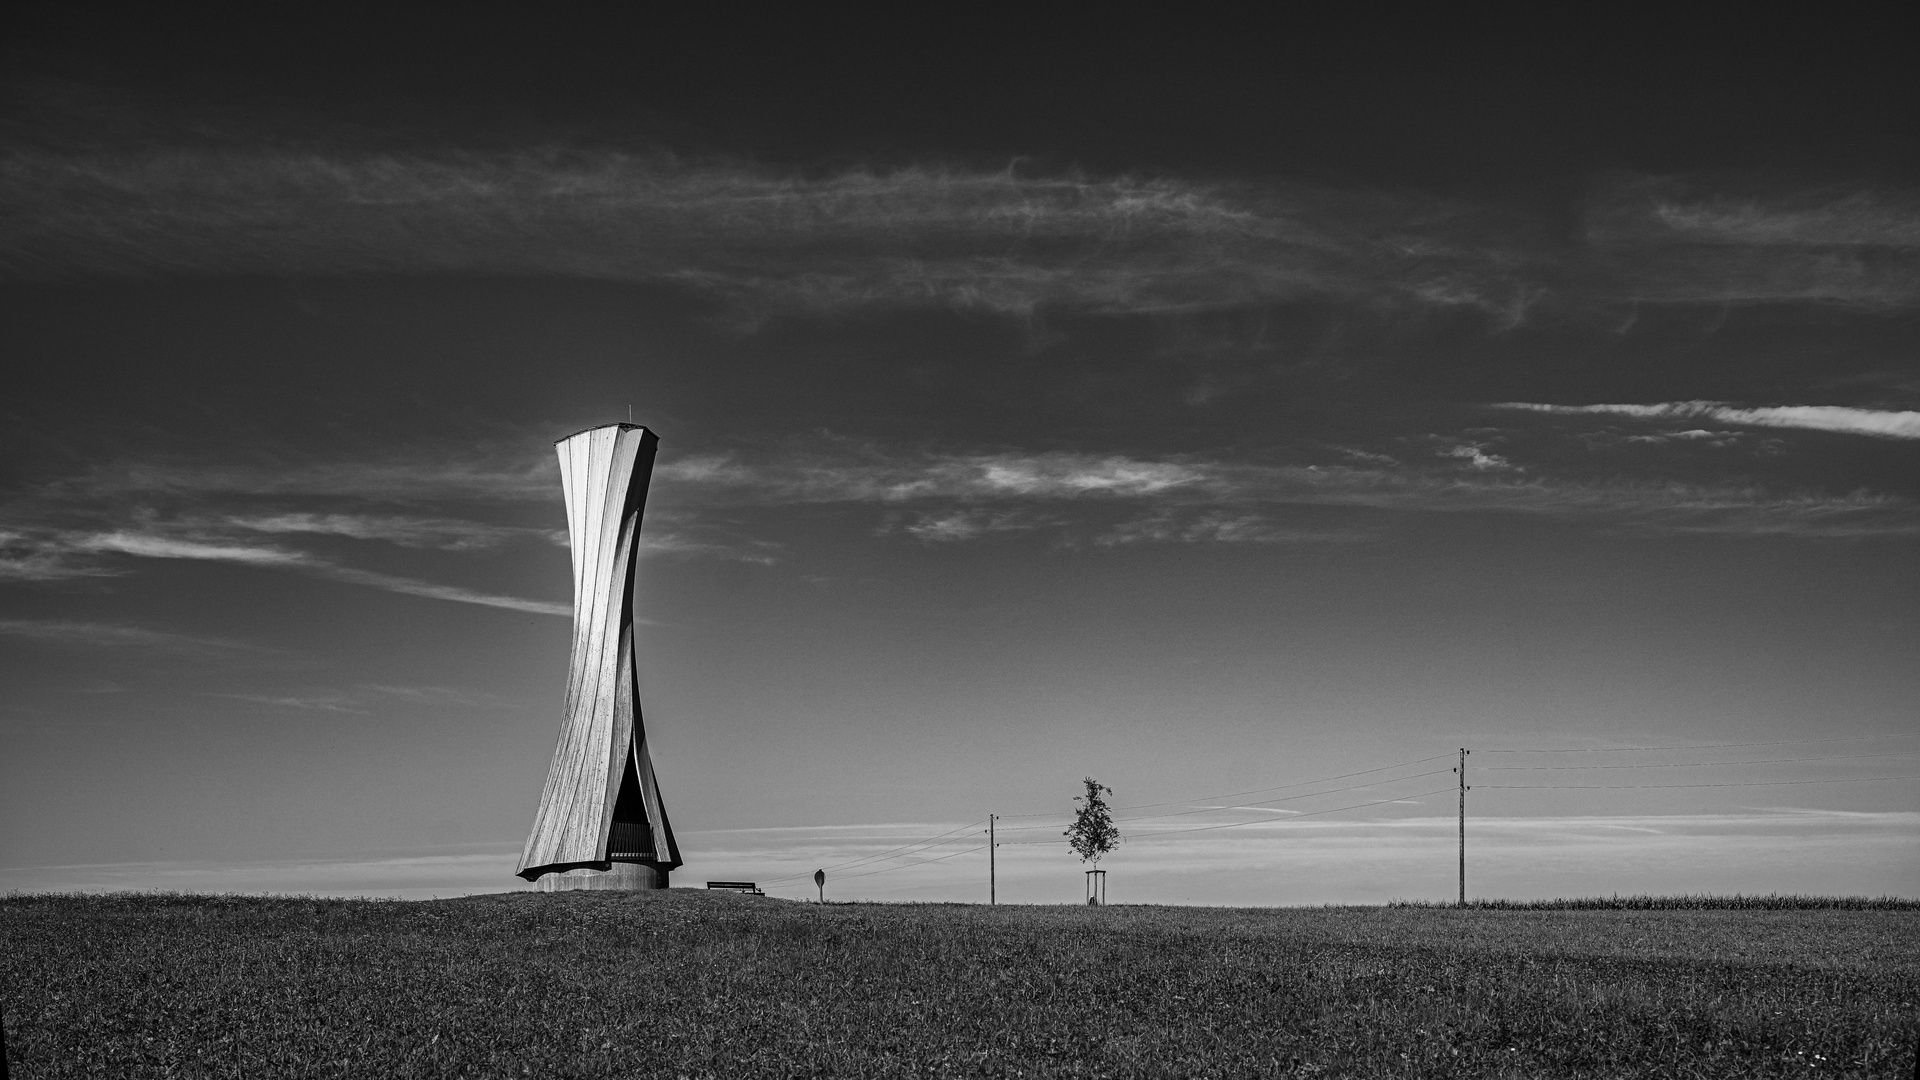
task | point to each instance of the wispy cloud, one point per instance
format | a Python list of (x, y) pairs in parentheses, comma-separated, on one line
[(1680, 240), (92, 527), (25, 556), (1884, 423), (152, 546), (1191, 499), (1653, 209), (982, 240), (1478, 458), (433, 591), (368, 698), (921, 236), (687, 538), (505, 472), (441, 697), (83, 525), (970, 524), (1219, 527), (58, 546), (869, 474), (114, 635), (446, 534), (304, 702), (271, 516), (444, 870)]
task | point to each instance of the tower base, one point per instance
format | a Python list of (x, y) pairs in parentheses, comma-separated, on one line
[(624, 877)]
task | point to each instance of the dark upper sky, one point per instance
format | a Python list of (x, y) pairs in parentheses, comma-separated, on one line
[(1201, 408), (1430, 99)]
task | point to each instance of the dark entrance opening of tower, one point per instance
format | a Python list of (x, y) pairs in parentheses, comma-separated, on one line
[(631, 837)]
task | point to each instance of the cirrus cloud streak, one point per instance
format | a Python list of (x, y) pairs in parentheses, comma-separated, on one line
[(1884, 423), (1192, 498), (761, 241), (65, 553)]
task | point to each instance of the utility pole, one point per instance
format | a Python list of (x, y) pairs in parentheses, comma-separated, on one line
[(1462, 770), (992, 900)]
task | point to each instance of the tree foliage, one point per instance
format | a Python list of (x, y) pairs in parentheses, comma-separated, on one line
[(1092, 833)]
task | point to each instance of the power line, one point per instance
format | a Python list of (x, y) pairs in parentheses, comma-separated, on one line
[(1243, 806), (923, 862), (1750, 783), (890, 869), (903, 849), (1283, 787), (1286, 798), (1706, 746), (950, 835), (1315, 813), (1237, 794), (941, 840), (1702, 764), (1296, 817)]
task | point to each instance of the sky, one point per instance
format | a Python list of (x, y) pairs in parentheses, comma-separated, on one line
[(1248, 420)]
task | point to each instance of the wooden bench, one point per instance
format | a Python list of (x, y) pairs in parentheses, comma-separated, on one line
[(747, 887)]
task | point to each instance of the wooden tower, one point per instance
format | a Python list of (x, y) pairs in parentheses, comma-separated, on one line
[(601, 824)]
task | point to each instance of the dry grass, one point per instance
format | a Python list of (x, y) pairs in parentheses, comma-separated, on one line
[(689, 984), (1702, 902)]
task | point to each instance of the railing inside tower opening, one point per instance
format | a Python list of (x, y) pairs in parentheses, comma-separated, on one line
[(630, 841)]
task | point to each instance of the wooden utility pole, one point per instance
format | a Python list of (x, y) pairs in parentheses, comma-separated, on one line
[(992, 900), (1462, 770)]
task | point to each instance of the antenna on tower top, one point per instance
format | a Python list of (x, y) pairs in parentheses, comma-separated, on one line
[(629, 414)]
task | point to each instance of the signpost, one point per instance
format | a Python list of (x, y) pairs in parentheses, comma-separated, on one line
[(820, 880)]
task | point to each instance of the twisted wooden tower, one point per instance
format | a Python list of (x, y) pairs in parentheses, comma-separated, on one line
[(601, 824)]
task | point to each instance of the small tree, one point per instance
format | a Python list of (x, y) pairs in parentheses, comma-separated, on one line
[(1092, 833)]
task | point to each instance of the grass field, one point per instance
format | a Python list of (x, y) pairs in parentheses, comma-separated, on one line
[(693, 984)]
